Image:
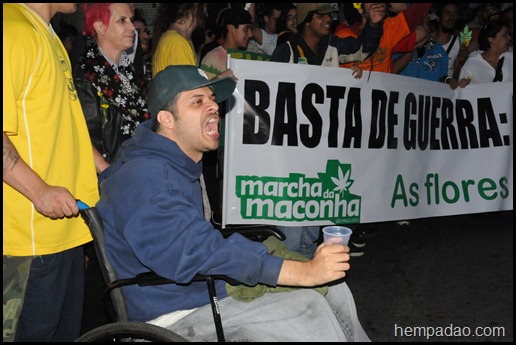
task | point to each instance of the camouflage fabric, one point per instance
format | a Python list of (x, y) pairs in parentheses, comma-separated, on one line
[(246, 293), (16, 273)]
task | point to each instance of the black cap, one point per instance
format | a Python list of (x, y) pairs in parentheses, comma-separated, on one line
[(486, 5), (233, 16)]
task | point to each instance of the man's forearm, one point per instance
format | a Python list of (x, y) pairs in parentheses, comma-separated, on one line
[(294, 273), (17, 174), (100, 162)]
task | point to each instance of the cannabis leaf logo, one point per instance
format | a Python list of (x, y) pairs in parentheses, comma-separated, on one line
[(466, 35), (343, 182)]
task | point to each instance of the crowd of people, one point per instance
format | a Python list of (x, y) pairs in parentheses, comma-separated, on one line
[(132, 121)]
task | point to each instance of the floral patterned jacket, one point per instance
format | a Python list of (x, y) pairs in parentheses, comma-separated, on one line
[(112, 114)]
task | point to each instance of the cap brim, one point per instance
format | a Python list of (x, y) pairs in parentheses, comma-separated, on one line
[(222, 87), (325, 9)]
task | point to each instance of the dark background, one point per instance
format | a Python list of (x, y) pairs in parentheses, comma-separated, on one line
[(437, 272)]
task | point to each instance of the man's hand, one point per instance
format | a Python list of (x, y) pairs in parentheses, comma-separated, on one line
[(377, 12), (56, 202), (227, 73), (357, 71), (51, 201), (329, 263), (454, 83)]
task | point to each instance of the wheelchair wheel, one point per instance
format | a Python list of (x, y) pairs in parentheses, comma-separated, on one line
[(130, 331)]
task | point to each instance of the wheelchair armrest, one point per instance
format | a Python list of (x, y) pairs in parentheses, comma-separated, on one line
[(254, 232), (151, 278)]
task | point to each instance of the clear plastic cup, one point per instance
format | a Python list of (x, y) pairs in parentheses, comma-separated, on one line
[(336, 234)]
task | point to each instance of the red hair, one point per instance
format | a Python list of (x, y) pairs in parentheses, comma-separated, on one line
[(93, 12)]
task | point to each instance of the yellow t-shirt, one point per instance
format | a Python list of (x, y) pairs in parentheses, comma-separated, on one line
[(172, 49), (43, 118)]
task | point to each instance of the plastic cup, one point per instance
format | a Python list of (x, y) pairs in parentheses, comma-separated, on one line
[(336, 234)]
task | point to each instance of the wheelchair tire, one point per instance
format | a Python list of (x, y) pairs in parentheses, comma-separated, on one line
[(129, 331)]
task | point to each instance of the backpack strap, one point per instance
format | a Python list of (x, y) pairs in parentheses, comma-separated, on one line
[(454, 38), (291, 53), (301, 52), (498, 73)]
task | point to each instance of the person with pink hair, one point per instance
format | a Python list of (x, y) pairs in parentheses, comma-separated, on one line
[(114, 100), (112, 95)]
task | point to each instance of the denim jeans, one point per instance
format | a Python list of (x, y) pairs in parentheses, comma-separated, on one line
[(301, 239), (300, 315), (52, 310)]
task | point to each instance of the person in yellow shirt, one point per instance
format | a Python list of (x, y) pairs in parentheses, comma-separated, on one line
[(47, 164), (173, 31)]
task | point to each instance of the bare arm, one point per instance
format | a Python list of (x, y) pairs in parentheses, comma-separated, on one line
[(416, 13), (377, 14), (397, 6), (50, 201), (251, 8), (257, 32), (359, 48), (328, 264), (460, 60), (100, 163), (401, 62)]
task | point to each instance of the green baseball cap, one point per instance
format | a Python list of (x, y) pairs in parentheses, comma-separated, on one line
[(175, 79)]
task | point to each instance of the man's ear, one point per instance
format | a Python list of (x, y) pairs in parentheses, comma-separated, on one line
[(166, 119)]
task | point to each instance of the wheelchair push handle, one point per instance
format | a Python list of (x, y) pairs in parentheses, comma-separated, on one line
[(82, 206)]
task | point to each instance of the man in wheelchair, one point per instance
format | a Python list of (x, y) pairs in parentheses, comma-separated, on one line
[(151, 206)]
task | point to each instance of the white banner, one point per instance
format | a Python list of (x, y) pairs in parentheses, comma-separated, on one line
[(311, 145)]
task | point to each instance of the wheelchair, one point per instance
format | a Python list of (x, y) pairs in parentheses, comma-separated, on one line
[(126, 330)]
